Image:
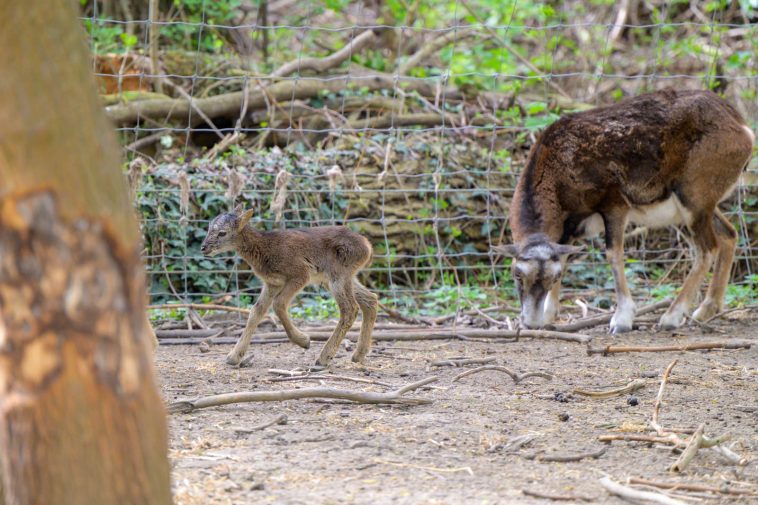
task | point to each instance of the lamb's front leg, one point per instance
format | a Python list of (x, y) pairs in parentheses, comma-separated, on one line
[(282, 302), (623, 318), (257, 313)]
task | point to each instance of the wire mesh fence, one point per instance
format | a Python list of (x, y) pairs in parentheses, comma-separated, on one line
[(408, 122)]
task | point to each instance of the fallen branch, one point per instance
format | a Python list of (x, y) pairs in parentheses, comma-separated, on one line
[(202, 333), (462, 361), (309, 377), (569, 458), (400, 317), (614, 349), (565, 458), (683, 486), (228, 104), (689, 452), (280, 419), (198, 306), (729, 311), (590, 322), (391, 397), (455, 35), (639, 438), (555, 497), (610, 393), (515, 376), (350, 49), (635, 495)]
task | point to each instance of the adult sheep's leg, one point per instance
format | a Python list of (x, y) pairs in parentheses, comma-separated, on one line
[(623, 317), (727, 243), (704, 239), (257, 313)]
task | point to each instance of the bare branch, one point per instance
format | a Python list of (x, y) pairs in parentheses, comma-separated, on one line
[(613, 349), (689, 452), (392, 397), (635, 495), (321, 64), (515, 376), (683, 486), (610, 393), (457, 34)]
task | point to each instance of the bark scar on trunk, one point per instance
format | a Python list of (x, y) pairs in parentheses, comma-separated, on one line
[(66, 284)]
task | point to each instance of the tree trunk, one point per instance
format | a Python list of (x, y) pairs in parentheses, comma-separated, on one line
[(81, 420)]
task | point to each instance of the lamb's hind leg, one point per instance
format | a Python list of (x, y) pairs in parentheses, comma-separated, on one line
[(257, 313), (727, 242), (342, 289), (368, 302), (282, 302)]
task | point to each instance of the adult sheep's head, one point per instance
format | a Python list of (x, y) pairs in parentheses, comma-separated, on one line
[(537, 269)]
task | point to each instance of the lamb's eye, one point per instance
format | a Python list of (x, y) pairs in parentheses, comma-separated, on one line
[(222, 233)]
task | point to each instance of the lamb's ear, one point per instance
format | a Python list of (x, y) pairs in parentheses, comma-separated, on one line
[(509, 250), (244, 218), (238, 209), (565, 250)]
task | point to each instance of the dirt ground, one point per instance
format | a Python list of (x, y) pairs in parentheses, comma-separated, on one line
[(455, 450)]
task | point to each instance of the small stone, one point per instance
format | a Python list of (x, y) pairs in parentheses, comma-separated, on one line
[(632, 400), (563, 417), (561, 397)]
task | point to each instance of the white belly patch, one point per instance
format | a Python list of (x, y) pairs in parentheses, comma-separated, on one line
[(669, 212)]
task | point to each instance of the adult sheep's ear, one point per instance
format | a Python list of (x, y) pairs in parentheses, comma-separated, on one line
[(244, 218), (238, 209), (509, 250)]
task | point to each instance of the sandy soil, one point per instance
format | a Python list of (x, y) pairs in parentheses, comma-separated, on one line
[(454, 450)]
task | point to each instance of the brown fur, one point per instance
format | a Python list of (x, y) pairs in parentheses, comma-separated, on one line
[(618, 159), (288, 260)]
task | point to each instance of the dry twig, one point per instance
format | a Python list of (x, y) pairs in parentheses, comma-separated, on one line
[(610, 393), (590, 322), (462, 361), (614, 349), (280, 419), (683, 486), (690, 450), (515, 376), (568, 458), (391, 397), (635, 495), (555, 497)]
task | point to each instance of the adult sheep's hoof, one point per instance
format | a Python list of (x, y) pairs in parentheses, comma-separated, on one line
[(234, 357)]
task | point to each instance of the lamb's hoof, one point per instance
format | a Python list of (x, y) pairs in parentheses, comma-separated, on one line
[(301, 339), (323, 361), (671, 320), (234, 357), (358, 357), (706, 311)]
